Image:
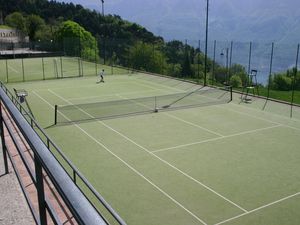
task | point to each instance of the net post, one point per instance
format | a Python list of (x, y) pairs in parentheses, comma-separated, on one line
[(55, 114), (230, 89)]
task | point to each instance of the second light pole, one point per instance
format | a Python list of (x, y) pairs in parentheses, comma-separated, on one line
[(104, 32), (226, 50)]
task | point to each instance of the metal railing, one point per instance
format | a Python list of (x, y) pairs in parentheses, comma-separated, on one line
[(45, 153)]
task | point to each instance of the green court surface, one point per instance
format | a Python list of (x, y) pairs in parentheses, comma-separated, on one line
[(30, 69), (231, 163)]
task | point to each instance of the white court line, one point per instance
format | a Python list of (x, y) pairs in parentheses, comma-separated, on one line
[(256, 117), (161, 85), (155, 156), (13, 69), (153, 88), (174, 117), (259, 118), (268, 112), (195, 125), (217, 138), (259, 208), (129, 166), (111, 95)]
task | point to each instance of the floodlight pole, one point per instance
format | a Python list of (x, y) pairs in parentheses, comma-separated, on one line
[(227, 68), (206, 37), (102, 3)]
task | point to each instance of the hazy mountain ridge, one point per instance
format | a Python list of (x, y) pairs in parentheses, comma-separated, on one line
[(255, 20)]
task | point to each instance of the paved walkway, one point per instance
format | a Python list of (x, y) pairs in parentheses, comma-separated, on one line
[(13, 206)]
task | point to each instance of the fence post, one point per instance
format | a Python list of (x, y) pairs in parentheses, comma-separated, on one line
[(250, 55), (43, 66), (294, 80), (61, 68), (230, 60), (6, 70), (4, 149), (40, 191), (23, 71), (270, 72), (79, 67), (96, 47), (214, 63)]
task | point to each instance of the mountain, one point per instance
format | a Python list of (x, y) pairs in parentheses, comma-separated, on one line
[(238, 20)]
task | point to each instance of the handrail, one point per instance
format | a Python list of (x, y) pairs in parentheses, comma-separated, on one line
[(50, 142), (82, 210)]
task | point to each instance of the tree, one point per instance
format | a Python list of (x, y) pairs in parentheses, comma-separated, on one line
[(235, 81), (77, 41), (239, 70), (174, 51), (186, 67), (281, 82), (33, 24), (146, 57), (16, 20)]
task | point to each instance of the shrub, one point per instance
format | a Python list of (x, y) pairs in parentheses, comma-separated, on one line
[(235, 81), (282, 82), (220, 75)]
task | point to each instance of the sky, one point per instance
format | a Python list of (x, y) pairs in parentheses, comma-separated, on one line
[(243, 20)]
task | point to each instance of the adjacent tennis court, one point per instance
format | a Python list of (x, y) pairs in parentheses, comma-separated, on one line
[(212, 162)]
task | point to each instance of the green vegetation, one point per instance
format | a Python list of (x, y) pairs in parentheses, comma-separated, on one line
[(286, 81), (16, 20), (5, 27), (79, 32), (280, 95), (250, 155), (87, 46), (118, 41)]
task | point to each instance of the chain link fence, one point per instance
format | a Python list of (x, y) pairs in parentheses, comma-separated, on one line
[(229, 63)]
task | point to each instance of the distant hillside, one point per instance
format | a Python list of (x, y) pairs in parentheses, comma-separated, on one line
[(255, 20), (54, 11)]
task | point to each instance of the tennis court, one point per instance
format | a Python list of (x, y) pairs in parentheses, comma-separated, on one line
[(228, 163), (45, 68)]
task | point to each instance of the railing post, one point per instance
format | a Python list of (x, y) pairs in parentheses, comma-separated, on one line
[(40, 191), (74, 176), (55, 114), (4, 149)]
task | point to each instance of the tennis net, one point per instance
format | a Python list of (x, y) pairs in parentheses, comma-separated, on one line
[(126, 107)]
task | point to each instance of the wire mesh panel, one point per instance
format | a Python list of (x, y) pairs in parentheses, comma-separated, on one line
[(51, 67), (3, 71), (33, 69), (125, 107), (71, 67), (15, 70)]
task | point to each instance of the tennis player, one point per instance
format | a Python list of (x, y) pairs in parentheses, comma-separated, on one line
[(101, 74)]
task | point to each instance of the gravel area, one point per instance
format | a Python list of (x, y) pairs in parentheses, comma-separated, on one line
[(13, 206)]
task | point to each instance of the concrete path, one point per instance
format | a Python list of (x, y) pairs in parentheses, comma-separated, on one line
[(13, 206)]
